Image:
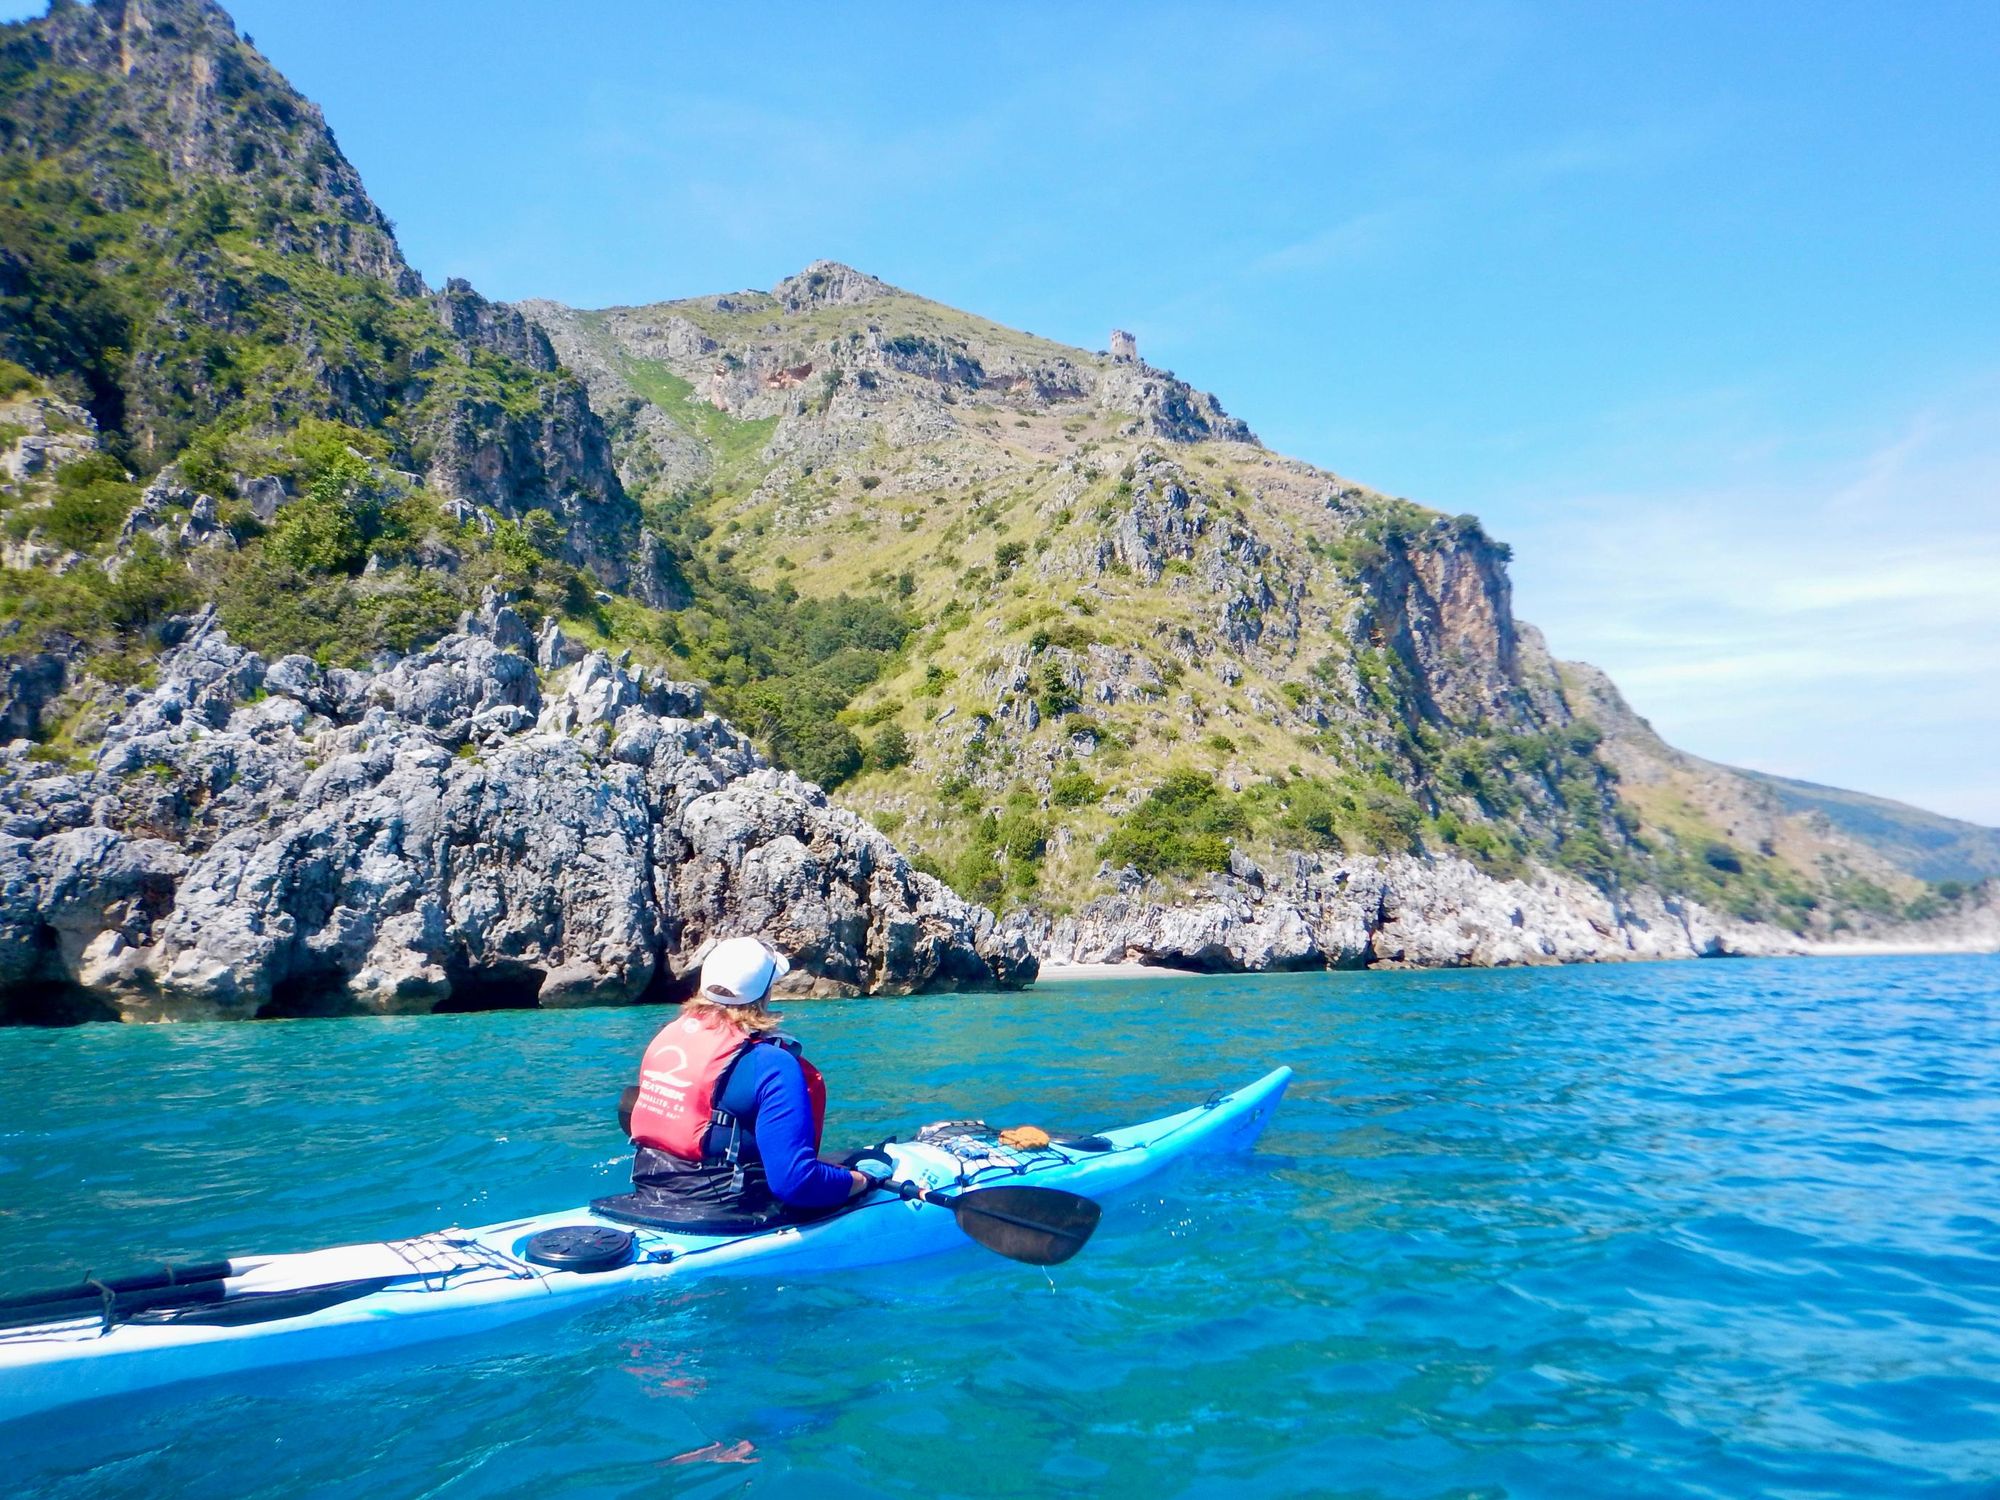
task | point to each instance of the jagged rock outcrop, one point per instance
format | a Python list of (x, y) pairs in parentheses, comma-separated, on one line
[(1166, 406), (51, 433), (827, 283), (493, 326), (652, 447), (554, 457), (1442, 603), (258, 838)]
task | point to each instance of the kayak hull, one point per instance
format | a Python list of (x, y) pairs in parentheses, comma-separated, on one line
[(459, 1282)]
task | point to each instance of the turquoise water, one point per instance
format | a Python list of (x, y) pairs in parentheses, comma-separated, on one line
[(1692, 1229)]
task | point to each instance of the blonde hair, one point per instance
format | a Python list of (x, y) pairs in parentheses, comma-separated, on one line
[(755, 1018)]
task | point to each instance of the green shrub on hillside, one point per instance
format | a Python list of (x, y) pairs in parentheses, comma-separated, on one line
[(14, 380), (794, 716), (109, 616), (889, 749), (1865, 895), (1052, 695), (317, 534), (1003, 852), (1022, 832), (91, 500), (781, 665), (1182, 828), (1067, 634), (1719, 856), (1075, 788), (149, 586), (278, 610)]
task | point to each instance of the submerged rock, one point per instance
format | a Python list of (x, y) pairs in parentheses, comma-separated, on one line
[(262, 838)]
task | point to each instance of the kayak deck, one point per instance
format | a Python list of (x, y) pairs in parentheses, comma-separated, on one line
[(292, 1309)]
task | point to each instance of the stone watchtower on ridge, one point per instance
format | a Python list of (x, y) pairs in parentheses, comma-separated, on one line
[(1124, 348)]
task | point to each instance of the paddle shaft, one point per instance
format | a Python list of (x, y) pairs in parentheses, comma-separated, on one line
[(906, 1190), (143, 1281)]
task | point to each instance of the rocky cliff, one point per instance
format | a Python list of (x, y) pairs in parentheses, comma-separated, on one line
[(501, 819)]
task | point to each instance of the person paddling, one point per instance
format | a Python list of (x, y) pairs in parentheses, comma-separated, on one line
[(727, 1119)]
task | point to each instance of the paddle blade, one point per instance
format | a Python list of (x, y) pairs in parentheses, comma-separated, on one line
[(1041, 1226)]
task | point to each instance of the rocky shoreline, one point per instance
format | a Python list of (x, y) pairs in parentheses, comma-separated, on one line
[(502, 819), (1429, 912), (1403, 911)]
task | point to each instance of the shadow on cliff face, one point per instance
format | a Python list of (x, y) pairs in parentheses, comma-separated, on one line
[(514, 988), (307, 996), (1222, 961), (665, 988), (49, 997), (519, 988), (51, 1002), (59, 1002), (318, 996)]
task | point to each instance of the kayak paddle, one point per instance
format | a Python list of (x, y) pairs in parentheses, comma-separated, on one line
[(1041, 1226)]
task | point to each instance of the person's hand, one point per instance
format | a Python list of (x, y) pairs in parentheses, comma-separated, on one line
[(861, 1162), (862, 1183)]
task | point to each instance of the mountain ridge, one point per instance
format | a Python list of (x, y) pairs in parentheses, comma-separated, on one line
[(745, 356), (1932, 846)]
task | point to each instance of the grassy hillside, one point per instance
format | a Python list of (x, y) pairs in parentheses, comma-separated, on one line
[(1137, 644)]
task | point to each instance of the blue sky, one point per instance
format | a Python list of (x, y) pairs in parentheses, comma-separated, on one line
[(1693, 304)]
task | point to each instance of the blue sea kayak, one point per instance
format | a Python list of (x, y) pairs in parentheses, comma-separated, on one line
[(259, 1312)]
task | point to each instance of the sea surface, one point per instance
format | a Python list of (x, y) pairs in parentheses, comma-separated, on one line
[(1699, 1229)]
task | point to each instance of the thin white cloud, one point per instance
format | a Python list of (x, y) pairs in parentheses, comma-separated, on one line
[(1837, 620), (1466, 188), (1605, 152), (1363, 236)]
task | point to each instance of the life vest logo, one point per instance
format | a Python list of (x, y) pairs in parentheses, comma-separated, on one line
[(674, 1061)]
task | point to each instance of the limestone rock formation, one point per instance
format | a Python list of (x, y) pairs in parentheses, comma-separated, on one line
[(257, 838), (49, 434)]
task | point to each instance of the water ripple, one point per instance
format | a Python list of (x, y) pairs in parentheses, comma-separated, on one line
[(1681, 1230)]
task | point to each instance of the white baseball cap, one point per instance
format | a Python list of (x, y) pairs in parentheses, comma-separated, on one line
[(740, 971)]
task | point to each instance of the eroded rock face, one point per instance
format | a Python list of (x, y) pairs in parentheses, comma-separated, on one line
[(1399, 912), (262, 838)]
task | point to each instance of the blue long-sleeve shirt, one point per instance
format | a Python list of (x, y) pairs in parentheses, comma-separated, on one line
[(767, 1088)]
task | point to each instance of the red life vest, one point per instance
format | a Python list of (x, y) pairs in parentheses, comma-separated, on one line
[(681, 1074)]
